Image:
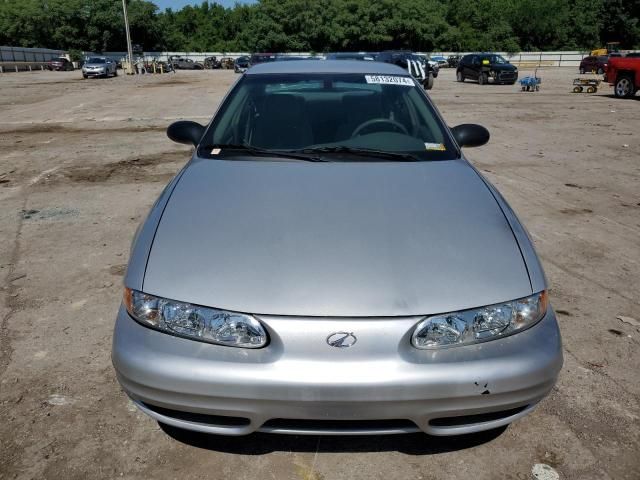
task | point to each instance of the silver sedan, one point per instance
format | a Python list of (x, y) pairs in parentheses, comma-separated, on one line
[(329, 262)]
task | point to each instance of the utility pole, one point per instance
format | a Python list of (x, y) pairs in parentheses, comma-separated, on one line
[(129, 49)]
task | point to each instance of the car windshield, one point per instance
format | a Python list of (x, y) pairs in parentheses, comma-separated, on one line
[(96, 60), (294, 112)]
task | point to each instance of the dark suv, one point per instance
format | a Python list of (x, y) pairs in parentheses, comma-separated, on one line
[(594, 63), (416, 65), (485, 66)]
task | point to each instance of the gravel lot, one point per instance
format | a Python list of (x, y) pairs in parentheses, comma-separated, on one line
[(81, 161)]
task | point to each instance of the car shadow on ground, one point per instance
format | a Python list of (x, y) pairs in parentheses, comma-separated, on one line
[(611, 95), (262, 443)]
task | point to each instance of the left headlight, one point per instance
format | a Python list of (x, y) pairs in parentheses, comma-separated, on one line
[(192, 321), (480, 324)]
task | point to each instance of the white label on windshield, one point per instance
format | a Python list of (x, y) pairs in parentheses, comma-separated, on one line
[(435, 146), (389, 80)]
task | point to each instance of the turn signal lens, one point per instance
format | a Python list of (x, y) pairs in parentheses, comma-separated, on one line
[(195, 322), (481, 324)]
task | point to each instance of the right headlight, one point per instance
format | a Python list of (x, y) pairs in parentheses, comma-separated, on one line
[(479, 324), (195, 322)]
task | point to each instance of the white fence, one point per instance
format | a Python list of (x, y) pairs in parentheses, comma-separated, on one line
[(27, 58), (543, 59)]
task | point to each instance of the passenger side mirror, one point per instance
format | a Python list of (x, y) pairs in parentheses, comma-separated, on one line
[(186, 132), (470, 135)]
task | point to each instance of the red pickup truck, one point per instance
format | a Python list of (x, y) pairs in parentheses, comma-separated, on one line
[(623, 73)]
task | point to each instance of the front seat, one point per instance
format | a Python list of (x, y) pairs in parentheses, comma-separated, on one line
[(282, 123)]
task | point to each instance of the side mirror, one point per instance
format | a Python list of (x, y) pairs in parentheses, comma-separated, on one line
[(186, 132), (470, 135)]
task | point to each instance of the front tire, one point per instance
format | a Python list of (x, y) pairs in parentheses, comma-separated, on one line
[(483, 79), (428, 83), (624, 87), (600, 71), (459, 76)]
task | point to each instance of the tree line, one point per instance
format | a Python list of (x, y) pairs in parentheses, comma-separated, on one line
[(324, 25)]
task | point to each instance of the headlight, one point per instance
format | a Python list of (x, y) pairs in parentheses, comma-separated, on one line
[(198, 323), (480, 324)]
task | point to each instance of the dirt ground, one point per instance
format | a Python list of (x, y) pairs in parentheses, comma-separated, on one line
[(81, 162)]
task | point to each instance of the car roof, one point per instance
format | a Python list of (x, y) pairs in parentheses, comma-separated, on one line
[(327, 66)]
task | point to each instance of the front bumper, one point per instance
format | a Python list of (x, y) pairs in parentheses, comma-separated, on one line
[(296, 385), (94, 73)]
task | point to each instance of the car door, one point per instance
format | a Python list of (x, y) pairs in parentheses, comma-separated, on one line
[(464, 64), (589, 63), (473, 67)]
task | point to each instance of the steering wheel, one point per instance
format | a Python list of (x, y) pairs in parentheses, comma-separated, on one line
[(395, 124)]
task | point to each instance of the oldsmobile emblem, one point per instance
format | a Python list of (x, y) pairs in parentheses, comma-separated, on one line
[(342, 339)]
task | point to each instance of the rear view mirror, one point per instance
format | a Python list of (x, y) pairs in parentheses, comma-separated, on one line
[(470, 135), (186, 132)]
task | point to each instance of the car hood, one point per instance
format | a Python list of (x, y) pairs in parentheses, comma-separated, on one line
[(334, 239)]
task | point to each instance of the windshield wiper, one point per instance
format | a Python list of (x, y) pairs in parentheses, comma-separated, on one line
[(256, 151), (362, 152)]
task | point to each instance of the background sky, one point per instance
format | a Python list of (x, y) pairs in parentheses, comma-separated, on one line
[(178, 4)]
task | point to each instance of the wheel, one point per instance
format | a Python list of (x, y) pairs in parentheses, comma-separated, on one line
[(483, 79), (115, 72), (591, 90), (524, 88), (459, 76), (624, 87), (600, 71), (537, 88), (577, 89), (428, 83), (582, 71), (85, 76)]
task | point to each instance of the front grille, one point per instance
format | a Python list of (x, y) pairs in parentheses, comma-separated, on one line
[(478, 418), (506, 75), (213, 420)]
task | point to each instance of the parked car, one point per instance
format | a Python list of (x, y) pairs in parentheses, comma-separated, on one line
[(99, 67), (59, 64), (484, 67), (257, 58), (411, 62), (182, 63), (441, 60), (212, 63), (597, 64), (241, 64), (434, 65), (328, 262), (453, 61), (368, 56), (623, 73)]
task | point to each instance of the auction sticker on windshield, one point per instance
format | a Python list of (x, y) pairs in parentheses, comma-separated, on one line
[(389, 80)]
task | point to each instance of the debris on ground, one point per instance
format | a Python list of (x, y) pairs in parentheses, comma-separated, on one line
[(542, 471)]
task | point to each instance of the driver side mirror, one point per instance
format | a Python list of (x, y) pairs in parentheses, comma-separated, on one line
[(185, 131), (470, 135)]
